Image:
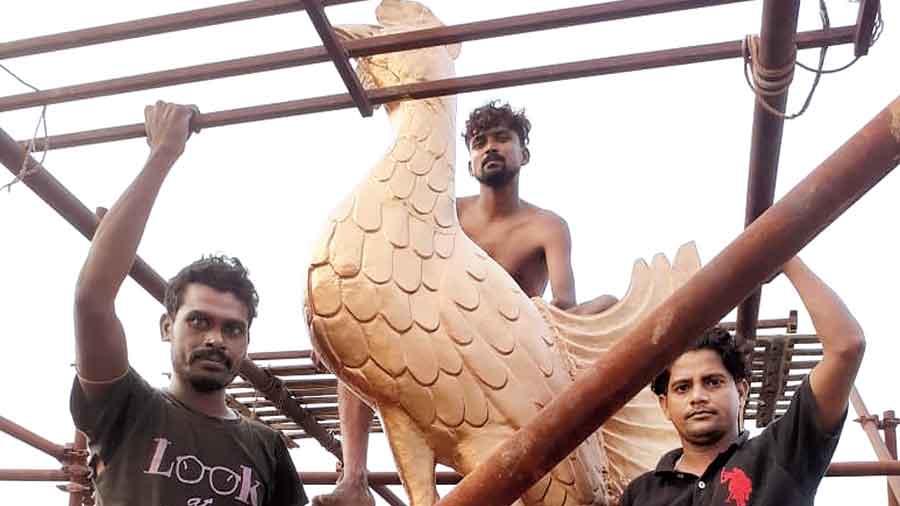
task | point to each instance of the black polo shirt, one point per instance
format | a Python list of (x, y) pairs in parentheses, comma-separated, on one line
[(781, 466)]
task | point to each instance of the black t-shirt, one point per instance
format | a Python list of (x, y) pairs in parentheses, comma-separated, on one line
[(782, 466), (155, 451)]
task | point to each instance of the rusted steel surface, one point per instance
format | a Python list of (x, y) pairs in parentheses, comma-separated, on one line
[(776, 50), (789, 323), (363, 47), (51, 191), (77, 468), (889, 423), (865, 23), (704, 299), (152, 26), (375, 478), (870, 424), (273, 390), (339, 55), (864, 469), (451, 478), (443, 87), (278, 355), (26, 436), (33, 475)]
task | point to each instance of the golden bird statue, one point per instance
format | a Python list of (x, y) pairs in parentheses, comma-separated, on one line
[(432, 333)]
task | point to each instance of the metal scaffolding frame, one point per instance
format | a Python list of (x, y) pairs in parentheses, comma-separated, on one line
[(731, 279)]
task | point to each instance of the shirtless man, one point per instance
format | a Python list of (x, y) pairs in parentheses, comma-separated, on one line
[(532, 244)]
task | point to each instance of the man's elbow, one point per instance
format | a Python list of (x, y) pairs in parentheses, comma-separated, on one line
[(852, 348)]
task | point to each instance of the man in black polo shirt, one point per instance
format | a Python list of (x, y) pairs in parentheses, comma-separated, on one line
[(703, 392)]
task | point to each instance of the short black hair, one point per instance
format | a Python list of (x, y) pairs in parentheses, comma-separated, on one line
[(223, 273), (720, 341), (494, 114)]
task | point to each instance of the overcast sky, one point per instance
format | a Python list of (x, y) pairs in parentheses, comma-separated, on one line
[(636, 163)]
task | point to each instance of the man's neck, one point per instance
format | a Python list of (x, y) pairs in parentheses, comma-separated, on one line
[(208, 403), (499, 201), (696, 458)]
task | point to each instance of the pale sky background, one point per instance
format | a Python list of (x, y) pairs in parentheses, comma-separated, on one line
[(636, 163)]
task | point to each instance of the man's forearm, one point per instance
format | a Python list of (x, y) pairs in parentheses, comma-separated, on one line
[(114, 246), (837, 328)]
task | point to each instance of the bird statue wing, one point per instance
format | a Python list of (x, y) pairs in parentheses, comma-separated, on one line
[(638, 434)]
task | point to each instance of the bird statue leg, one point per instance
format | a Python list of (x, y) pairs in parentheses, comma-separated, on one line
[(414, 457), (353, 487)]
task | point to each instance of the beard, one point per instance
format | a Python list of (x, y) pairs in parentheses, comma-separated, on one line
[(497, 178), (204, 381), (206, 384)]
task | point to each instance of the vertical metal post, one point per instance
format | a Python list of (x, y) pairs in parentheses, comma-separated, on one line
[(889, 426), (776, 50)]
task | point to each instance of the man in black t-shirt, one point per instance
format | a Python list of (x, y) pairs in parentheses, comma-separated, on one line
[(705, 389), (182, 446)]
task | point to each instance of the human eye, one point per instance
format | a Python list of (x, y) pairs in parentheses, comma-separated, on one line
[(235, 330), (680, 388), (197, 321), (714, 382)]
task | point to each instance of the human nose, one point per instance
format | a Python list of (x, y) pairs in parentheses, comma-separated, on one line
[(699, 396), (213, 337)]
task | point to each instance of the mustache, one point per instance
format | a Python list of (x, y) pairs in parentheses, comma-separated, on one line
[(211, 354), (492, 157)]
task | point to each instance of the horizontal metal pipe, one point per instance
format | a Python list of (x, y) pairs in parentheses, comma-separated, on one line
[(452, 86), (26, 436), (152, 26), (864, 469), (560, 18), (33, 475), (278, 355), (450, 478), (757, 253)]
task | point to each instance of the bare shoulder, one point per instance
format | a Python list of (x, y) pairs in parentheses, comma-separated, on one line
[(463, 204), (549, 222)]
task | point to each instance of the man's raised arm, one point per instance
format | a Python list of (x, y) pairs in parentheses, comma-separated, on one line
[(842, 339), (100, 348)]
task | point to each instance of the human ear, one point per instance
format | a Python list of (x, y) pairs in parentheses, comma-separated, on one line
[(526, 156), (165, 327), (664, 405), (470, 168)]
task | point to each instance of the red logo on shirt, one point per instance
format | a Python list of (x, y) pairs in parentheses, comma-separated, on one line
[(739, 485)]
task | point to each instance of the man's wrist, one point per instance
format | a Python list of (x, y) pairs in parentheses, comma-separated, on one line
[(164, 155)]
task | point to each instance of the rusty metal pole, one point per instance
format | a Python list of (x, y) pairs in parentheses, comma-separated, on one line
[(51, 191), (776, 50), (870, 426), (635, 359), (26, 436), (76, 467), (889, 423)]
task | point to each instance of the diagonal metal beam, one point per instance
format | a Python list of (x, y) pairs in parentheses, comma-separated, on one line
[(51, 191), (339, 56), (776, 50), (627, 367), (152, 26), (26, 436), (452, 86), (871, 429), (512, 25)]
